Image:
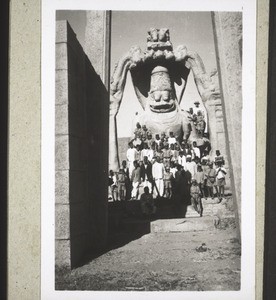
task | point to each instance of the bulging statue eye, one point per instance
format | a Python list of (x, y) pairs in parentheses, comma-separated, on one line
[(166, 96), (157, 96)]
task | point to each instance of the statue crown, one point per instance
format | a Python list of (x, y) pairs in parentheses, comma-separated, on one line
[(159, 39)]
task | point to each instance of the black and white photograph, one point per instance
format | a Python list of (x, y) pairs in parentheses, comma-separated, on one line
[(149, 150)]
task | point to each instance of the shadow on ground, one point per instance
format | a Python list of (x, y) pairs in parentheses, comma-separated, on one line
[(126, 223)]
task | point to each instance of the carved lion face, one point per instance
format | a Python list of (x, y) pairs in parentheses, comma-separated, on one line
[(161, 101)]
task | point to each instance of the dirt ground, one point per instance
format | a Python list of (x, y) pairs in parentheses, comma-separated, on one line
[(161, 261)]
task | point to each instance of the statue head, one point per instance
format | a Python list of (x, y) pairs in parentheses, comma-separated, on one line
[(161, 95)]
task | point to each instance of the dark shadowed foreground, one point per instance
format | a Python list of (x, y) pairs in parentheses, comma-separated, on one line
[(166, 258)]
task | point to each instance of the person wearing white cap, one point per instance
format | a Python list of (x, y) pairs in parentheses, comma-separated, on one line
[(191, 166), (196, 107)]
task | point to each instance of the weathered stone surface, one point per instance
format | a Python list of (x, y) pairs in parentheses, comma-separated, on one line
[(63, 253), (183, 225), (61, 87), (228, 36), (71, 186), (81, 152), (61, 31), (62, 221), (62, 152), (97, 39), (62, 187), (62, 120), (61, 56)]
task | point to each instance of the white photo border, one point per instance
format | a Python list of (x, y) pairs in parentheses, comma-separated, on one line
[(248, 8)]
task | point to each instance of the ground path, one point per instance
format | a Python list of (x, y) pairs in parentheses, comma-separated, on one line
[(162, 255)]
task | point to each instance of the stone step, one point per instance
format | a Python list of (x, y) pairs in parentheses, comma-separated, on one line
[(165, 210), (182, 225)]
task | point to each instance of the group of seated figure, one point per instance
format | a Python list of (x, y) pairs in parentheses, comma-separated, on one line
[(162, 166)]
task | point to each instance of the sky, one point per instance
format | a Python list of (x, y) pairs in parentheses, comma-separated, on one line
[(129, 28)]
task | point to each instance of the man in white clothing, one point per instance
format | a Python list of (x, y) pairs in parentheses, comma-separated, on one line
[(182, 160), (131, 155), (196, 108), (191, 166), (196, 150), (157, 174)]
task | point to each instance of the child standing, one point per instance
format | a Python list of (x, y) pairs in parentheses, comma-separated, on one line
[(168, 177), (195, 197)]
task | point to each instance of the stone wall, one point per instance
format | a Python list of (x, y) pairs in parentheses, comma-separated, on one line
[(97, 41), (82, 106), (228, 42), (216, 126)]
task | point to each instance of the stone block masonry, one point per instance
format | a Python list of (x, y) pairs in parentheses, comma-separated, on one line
[(228, 41), (82, 114)]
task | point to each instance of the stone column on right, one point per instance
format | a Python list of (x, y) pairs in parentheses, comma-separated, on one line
[(228, 42)]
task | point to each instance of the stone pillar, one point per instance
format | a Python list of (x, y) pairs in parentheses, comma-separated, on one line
[(82, 113), (97, 42), (228, 41)]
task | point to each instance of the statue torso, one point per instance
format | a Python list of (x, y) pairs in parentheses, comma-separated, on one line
[(164, 122)]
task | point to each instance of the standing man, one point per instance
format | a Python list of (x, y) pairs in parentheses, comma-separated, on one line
[(147, 203), (195, 197), (196, 150), (146, 174), (131, 154), (200, 177), (182, 196), (128, 185), (145, 151), (136, 180), (158, 175), (122, 184), (210, 180), (182, 160), (220, 180), (191, 166), (113, 185)]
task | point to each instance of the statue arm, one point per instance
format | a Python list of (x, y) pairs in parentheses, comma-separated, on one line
[(118, 80), (117, 86), (191, 60)]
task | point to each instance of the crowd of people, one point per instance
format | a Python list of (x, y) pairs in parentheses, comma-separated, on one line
[(161, 166)]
